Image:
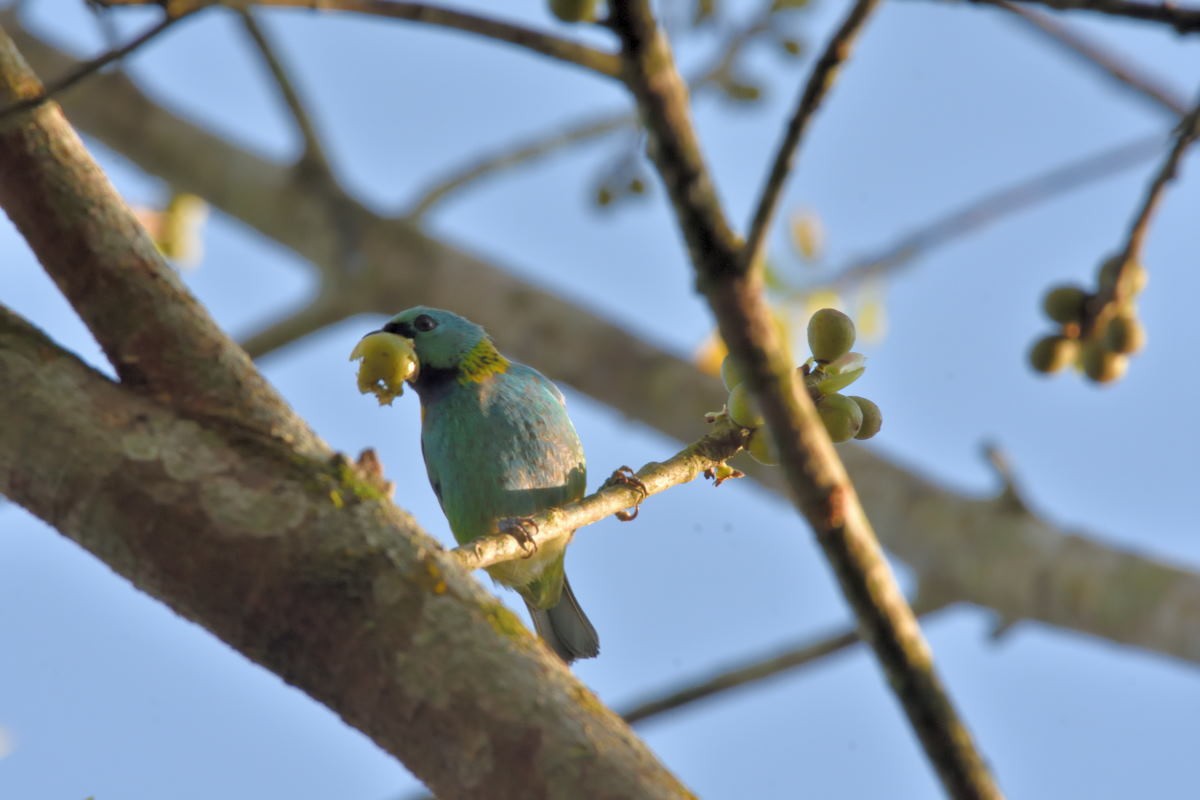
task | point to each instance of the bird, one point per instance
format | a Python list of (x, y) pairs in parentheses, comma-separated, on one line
[(499, 447)]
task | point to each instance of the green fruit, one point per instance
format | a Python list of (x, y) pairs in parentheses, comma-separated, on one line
[(743, 408), (831, 334), (731, 373), (1065, 304), (1101, 365), (872, 417), (841, 373), (573, 10), (1124, 334), (842, 417), (762, 449), (1133, 278), (1053, 353)]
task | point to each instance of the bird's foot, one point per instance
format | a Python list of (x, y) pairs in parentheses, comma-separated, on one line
[(624, 476), (521, 529)]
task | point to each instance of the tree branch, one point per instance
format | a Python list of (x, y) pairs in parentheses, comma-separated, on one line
[(990, 208), (816, 479), (314, 153), (700, 457), (515, 155), (752, 670), (1182, 19), (304, 567), (1186, 133), (155, 334), (1030, 568), (1098, 57), (546, 44), (819, 82), (28, 102)]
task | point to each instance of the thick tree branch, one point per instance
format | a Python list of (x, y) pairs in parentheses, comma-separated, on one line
[(816, 479), (305, 567), (1022, 567), (819, 82), (699, 458), (546, 44), (155, 334)]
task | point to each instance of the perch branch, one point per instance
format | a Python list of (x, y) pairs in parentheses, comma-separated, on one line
[(697, 458)]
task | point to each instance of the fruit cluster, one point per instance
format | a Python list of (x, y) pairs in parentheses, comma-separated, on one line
[(1098, 331), (831, 368)]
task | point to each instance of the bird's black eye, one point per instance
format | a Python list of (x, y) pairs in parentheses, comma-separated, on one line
[(424, 323)]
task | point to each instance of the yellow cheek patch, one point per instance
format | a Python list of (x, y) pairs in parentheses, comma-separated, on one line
[(483, 360)]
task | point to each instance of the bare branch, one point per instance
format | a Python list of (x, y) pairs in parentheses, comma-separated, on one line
[(992, 207), (516, 155), (816, 479), (1182, 19), (758, 668), (820, 81), (324, 310), (1186, 133), (89, 68), (314, 153), (698, 458), (547, 44), (155, 334), (1099, 57)]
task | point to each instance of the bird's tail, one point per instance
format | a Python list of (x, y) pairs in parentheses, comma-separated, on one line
[(566, 628)]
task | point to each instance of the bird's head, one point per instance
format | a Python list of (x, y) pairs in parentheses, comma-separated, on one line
[(447, 344)]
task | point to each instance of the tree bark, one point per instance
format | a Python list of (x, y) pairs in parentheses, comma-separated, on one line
[(296, 560)]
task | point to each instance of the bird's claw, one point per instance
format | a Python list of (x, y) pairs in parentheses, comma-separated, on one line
[(624, 476), (519, 529)]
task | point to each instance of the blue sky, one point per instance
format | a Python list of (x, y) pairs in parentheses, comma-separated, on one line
[(105, 692)]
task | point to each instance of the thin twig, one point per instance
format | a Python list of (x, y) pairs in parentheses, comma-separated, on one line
[(1182, 19), (325, 310), (696, 459), (1095, 55), (990, 208), (89, 68), (314, 153), (543, 144), (815, 88), (1187, 132), (759, 668), (815, 476), (515, 155), (547, 44)]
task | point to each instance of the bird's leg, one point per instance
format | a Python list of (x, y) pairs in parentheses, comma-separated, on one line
[(519, 529), (624, 476)]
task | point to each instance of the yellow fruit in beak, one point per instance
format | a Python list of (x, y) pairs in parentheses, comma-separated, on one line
[(386, 362)]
